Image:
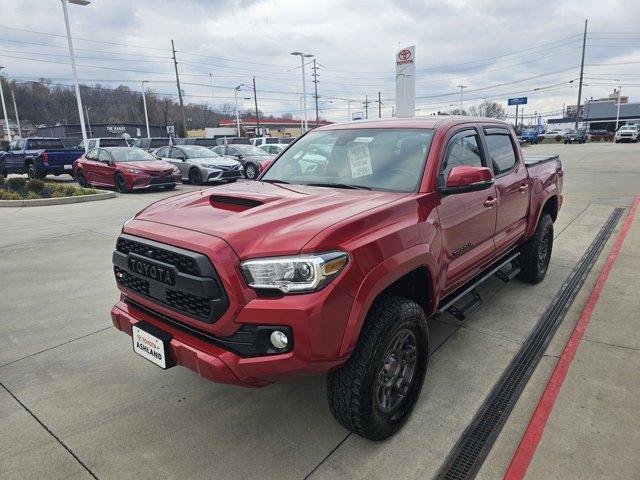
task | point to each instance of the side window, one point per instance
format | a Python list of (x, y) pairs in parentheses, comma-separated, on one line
[(13, 145), (20, 145), (92, 155), (92, 143), (503, 157), (103, 156), (232, 151), (162, 152), (177, 153), (463, 150)]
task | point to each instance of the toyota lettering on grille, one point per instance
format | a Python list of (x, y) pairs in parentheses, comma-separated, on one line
[(152, 270)]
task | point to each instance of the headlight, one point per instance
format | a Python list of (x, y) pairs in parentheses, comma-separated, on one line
[(175, 171), (134, 170), (299, 273), (209, 165)]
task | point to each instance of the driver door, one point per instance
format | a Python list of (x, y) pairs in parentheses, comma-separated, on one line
[(104, 171), (178, 158), (467, 220)]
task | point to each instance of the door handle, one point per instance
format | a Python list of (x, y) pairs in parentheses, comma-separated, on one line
[(489, 202), (523, 187)]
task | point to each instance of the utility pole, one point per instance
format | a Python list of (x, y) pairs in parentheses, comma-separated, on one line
[(86, 110), (516, 127), (618, 110), (349, 110), (15, 108), (4, 110), (315, 88), (584, 45), (379, 106), (366, 106), (255, 99), (175, 64), (144, 103)]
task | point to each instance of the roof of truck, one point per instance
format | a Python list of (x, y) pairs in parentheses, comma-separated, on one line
[(413, 122)]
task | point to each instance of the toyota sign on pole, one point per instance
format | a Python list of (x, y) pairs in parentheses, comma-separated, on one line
[(406, 82)]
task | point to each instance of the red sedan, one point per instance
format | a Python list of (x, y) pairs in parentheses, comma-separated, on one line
[(125, 168)]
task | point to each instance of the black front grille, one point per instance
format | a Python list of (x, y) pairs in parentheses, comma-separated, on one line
[(191, 304), (182, 263), (196, 290), (132, 283), (161, 180)]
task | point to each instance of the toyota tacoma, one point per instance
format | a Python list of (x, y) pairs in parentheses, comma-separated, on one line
[(333, 267)]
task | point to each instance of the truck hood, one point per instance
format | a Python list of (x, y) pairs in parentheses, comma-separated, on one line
[(258, 218)]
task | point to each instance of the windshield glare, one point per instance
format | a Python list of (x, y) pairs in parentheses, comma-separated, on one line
[(379, 159), (196, 151), (250, 150), (130, 154)]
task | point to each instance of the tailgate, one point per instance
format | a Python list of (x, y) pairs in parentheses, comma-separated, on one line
[(531, 160), (59, 158)]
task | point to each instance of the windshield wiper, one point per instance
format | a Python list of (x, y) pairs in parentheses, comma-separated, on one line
[(339, 185), (275, 181)]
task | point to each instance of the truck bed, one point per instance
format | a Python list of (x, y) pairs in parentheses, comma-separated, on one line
[(531, 160)]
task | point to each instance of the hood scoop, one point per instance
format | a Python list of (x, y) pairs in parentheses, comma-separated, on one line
[(233, 204)]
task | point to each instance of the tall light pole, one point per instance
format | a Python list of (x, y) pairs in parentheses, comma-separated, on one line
[(461, 87), (304, 86), (618, 110), (144, 102), (86, 109), (15, 109), (211, 82), (4, 109), (235, 93), (82, 3)]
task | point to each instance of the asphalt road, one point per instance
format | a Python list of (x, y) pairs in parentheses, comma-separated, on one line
[(77, 402)]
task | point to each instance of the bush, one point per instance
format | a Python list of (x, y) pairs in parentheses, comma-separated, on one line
[(32, 195), (1, 181), (16, 184), (6, 195), (558, 138), (35, 186)]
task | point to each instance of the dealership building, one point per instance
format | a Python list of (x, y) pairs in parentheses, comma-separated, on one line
[(599, 114), (275, 127), (100, 130)]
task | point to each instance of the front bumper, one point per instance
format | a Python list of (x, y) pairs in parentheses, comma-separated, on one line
[(141, 181), (208, 356), (220, 174)]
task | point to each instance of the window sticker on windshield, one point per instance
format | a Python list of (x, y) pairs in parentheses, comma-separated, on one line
[(360, 160), (362, 139)]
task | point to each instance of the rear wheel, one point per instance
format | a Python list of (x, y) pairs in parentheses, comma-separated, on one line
[(33, 173), (82, 180), (195, 176), (121, 185), (535, 253), (374, 393)]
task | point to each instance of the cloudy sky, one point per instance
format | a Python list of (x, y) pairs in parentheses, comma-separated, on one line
[(499, 49)]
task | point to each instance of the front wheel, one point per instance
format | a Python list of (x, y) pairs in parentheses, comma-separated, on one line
[(374, 393), (121, 185), (195, 176), (535, 253), (251, 171), (82, 180)]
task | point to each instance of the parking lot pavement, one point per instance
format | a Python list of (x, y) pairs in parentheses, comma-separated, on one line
[(122, 417)]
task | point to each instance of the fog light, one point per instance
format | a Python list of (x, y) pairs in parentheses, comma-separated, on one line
[(279, 339)]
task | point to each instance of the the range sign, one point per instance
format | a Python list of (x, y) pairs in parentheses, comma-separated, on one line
[(517, 101), (116, 128)]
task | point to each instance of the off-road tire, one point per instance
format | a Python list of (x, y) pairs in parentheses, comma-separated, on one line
[(352, 390), (33, 173), (534, 256)]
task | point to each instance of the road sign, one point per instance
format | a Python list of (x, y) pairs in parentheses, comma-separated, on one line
[(171, 129), (517, 101)]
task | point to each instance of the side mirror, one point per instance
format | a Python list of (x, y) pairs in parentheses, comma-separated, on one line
[(238, 155), (468, 179)]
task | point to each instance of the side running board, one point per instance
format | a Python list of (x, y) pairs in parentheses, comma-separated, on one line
[(448, 304)]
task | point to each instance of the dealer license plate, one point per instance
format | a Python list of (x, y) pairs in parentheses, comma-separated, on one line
[(152, 344), (68, 167)]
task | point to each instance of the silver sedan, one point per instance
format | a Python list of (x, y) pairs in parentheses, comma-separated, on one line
[(199, 165)]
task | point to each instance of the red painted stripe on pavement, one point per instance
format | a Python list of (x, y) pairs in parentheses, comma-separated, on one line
[(531, 438)]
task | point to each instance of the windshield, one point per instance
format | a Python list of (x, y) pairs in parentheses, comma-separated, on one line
[(45, 143), (250, 150), (130, 154), (196, 151), (378, 159)]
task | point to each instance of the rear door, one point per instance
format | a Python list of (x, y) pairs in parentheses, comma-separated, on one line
[(512, 187), (104, 170), (467, 220)]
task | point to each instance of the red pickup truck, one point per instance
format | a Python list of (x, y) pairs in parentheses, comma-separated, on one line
[(334, 259)]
